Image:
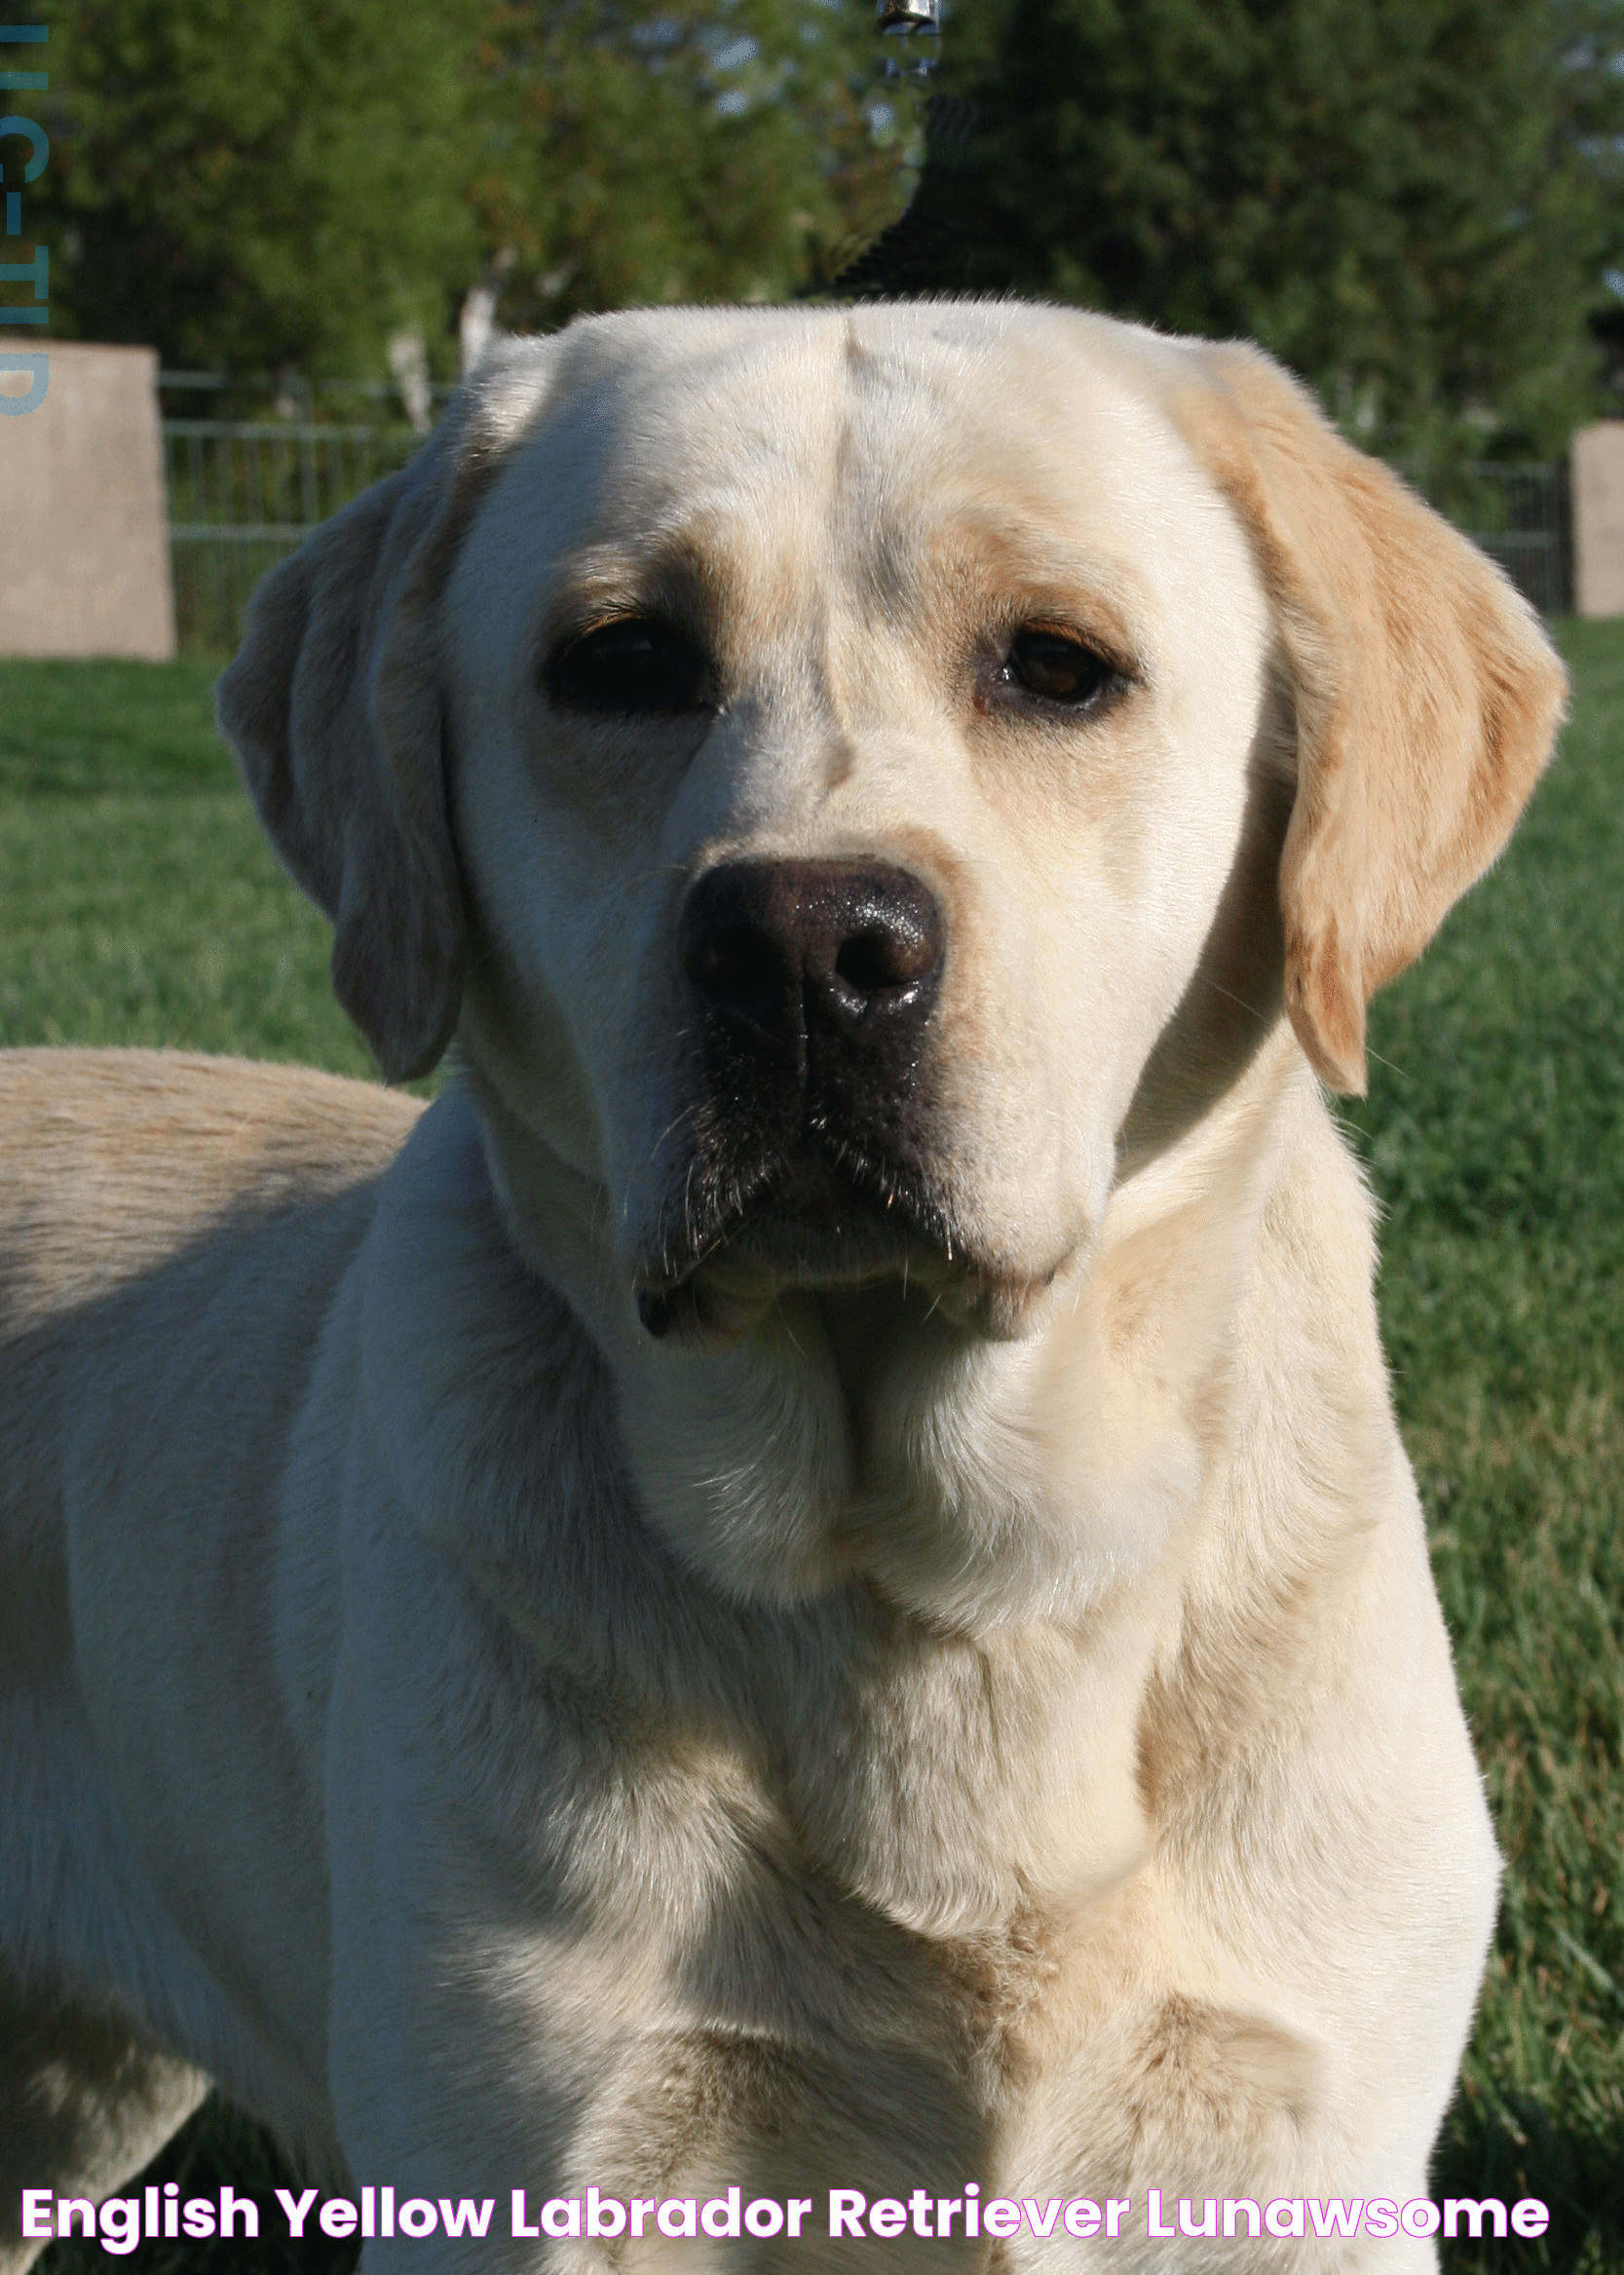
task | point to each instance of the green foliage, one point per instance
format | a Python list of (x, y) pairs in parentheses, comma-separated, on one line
[(657, 152), (289, 185), (1412, 202), (143, 906), (1409, 201), (256, 187)]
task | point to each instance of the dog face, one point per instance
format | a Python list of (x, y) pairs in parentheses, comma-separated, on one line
[(852, 729), (866, 782)]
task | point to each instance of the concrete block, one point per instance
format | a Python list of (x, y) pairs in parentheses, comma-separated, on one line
[(85, 566), (1597, 477)]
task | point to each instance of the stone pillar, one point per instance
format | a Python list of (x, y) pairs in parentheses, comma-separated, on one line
[(1598, 475), (85, 562)]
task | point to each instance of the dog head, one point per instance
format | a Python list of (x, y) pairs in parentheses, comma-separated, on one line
[(858, 783)]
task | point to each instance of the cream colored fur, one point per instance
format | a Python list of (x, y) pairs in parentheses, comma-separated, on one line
[(996, 1727)]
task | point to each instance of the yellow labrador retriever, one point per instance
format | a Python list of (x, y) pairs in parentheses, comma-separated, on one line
[(807, 1584)]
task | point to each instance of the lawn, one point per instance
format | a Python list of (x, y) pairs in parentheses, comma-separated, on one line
[(142, 902), (141, 906)]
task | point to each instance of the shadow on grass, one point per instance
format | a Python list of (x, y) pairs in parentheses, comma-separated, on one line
[(1510, 2149), (217, 2147)]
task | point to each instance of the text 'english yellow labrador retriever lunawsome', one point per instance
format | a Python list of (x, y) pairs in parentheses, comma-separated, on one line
[(808, 1581)]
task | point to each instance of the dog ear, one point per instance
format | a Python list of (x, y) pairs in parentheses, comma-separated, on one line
[(1426, 694), (333, 708)]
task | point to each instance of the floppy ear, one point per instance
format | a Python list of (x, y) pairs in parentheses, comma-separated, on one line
[(1426, 694), (333, 708)]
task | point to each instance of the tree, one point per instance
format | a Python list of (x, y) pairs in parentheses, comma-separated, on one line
[(1411, 202), (296, 185), (256, 187), (656, 151)]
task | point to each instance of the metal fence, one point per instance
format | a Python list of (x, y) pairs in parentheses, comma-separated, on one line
[(245, 491), (1520, 515)]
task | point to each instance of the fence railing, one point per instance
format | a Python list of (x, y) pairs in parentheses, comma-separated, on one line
[(1518, 512), (243, 492)]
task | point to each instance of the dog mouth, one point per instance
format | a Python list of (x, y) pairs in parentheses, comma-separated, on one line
[(824, 1212), (818, 1151)]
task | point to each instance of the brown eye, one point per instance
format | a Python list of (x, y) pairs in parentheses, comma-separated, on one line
[(637, 665), (1057, 670)]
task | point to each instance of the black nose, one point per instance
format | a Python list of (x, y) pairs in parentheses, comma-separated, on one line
[(785, 950)]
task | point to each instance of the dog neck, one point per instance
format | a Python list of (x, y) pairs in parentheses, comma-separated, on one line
[(975, 1553), (976, 1482)]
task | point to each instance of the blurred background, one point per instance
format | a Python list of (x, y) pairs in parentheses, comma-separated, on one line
[(1415, 203), (313, 210)]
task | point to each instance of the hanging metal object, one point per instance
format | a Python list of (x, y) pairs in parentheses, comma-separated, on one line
[(906, 54), (928, 249), (902, 21)]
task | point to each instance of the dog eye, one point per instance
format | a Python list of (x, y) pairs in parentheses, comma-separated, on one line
[(1058, 669), (638, 664)]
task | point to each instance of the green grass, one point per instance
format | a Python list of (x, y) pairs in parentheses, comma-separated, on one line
[(1495, 1140), (142, 902), (141, 906)]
